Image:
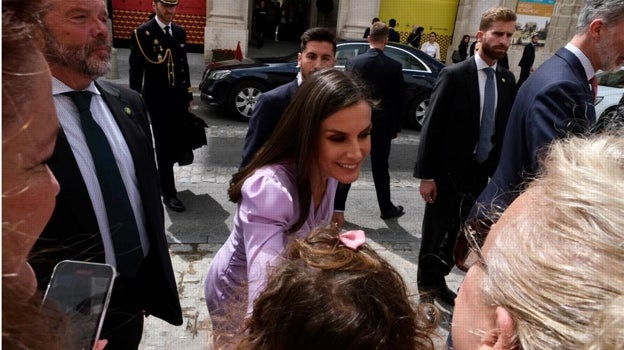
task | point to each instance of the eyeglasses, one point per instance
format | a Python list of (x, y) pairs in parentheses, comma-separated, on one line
[(475, 241)]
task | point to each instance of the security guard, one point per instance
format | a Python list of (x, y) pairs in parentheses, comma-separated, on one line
[(159, 70)]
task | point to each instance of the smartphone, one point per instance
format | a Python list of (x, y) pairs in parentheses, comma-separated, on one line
[(80, 291)]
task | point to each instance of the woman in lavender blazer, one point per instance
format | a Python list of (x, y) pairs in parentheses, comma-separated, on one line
[(288, 188)]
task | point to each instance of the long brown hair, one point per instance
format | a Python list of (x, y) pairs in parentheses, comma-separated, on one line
[(296, 137)]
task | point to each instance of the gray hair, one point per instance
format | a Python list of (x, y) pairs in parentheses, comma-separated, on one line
[(559, 263), (608, 10)]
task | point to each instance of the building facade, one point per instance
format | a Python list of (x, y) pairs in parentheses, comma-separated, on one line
[(226, 23)]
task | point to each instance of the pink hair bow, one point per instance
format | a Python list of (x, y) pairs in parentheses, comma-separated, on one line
[(353, 239)]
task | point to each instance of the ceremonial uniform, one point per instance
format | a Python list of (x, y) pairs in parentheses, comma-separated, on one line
[(159, 70)]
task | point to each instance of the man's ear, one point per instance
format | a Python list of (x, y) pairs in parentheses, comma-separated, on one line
[(506, 330), (596, 28)]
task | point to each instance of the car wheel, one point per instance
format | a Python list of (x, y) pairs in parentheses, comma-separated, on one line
[(243, 98), (416, 115)]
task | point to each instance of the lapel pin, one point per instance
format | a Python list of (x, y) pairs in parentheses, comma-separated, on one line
[(503, 80), (128, 110), (147, 32)]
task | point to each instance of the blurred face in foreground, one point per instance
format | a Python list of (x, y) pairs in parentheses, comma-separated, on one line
[(28, 186)]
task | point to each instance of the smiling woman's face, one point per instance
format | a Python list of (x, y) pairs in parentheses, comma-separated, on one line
[(29, 130), (345, 142)]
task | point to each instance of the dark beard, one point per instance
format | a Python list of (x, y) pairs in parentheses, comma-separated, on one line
[(76, 57), (489, 52)]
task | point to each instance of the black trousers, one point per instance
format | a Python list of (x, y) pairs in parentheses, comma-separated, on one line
[(441, 223), (123, 324), (165, 129), (524, 75)]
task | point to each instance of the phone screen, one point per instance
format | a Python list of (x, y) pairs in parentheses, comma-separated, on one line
[(81, 291)]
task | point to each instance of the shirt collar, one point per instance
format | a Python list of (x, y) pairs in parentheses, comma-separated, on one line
[(481, 64), (587, 66), (58, 88), (161, 24)]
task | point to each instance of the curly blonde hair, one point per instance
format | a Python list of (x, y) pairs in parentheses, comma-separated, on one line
[(561, 261)]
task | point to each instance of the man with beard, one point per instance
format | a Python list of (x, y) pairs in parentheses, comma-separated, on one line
[(556, 100), (158, 54), (108, 209), (460, 146)]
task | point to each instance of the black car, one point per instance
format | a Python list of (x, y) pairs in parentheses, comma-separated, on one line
[(236, 85)]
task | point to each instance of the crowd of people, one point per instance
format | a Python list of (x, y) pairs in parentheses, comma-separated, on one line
[(521, 191)]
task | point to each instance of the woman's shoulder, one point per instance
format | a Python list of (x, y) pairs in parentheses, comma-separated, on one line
[(272, 176)]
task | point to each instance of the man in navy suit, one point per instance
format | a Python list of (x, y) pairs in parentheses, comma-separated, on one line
[(555, 101), (452, 170), (526, 62), (78, 52), (158, 56), (385, 78)]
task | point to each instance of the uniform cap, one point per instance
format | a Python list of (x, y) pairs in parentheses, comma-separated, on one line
[(169, 2)]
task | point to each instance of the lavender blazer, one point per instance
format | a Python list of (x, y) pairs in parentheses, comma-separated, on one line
[(267, 209)]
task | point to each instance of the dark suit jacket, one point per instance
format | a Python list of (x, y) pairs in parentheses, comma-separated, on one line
[(555, 101), (451, 130), (385, 78), (265, 116), (393, 35), (73, 233), (528, 56)]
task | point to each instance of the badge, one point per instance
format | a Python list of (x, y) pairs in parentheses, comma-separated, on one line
[(147, 32), (156, 42)]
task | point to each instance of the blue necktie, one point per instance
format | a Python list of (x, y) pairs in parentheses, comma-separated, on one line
[(121, 220), (487, 118)]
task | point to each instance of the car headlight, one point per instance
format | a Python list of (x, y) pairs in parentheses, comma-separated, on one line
[(219, 74), (598, 100)]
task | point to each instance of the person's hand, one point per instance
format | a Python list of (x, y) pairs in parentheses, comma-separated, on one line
[(428, 190), (100, 344), (338, 219)]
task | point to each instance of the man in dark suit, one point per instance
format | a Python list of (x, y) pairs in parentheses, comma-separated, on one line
[(459, 149), (555, 101), (158, 56), (526, 62), (385, 78), (393, 35), (82, 226)]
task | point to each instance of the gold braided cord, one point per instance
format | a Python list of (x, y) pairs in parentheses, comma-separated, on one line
[(168, 56)]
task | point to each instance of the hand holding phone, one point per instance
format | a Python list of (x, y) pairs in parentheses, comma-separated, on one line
[(81, 291)]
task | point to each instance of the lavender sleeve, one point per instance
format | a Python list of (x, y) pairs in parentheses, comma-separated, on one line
[(267, 209)]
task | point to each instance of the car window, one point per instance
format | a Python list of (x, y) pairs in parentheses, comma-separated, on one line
[(612, 79), (343, 55), (345, 52), (406, 59)]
